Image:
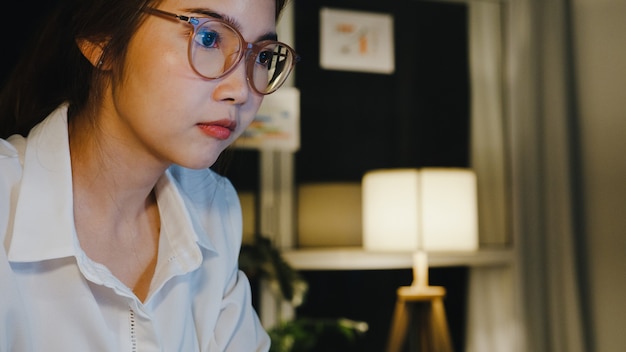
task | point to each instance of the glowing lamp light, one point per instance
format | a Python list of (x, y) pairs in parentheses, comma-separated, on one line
[(420, 210)]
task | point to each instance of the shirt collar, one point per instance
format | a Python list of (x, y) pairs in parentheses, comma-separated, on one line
[(44, 216), (175, 219)]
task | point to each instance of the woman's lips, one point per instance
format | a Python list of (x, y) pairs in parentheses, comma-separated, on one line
[(221, 129)]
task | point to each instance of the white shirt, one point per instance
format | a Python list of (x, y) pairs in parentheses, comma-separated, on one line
[(54, 298)]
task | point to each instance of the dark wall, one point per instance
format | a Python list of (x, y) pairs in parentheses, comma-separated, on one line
[(18, 28), (419, 116), (352, 122), (369, 296)]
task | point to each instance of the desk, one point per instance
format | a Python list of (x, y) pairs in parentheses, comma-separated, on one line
[(356, 258)]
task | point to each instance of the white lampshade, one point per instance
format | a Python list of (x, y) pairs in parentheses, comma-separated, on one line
[(429, 209)]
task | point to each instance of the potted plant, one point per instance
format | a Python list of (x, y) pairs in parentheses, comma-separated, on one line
[(261, 260)]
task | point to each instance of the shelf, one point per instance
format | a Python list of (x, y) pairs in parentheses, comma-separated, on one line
[(356, 258)]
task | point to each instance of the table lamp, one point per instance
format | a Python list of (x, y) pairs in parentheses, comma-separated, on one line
[(420, 210)]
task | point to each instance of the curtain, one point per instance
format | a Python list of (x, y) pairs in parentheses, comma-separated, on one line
[(493, 324), (523, 120), (543, 169)]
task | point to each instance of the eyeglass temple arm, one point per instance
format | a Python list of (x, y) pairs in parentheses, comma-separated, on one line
[(155, 11)]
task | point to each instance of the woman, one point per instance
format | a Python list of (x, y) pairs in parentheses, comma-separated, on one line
[(117, 235)]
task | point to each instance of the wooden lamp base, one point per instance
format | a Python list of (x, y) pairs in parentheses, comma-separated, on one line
[(426, 304)]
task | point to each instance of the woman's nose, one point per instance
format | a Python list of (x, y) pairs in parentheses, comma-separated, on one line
[(234, 86)]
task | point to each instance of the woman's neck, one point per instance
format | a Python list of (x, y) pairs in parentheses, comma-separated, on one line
[(115, 209)]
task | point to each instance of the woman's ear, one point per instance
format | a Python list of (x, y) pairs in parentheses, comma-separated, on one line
[(93, 51)]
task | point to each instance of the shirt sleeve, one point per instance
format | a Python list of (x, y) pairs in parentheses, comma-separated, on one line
[(239, 321)]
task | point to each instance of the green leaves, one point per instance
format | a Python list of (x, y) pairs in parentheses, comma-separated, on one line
[(263, 260), (305, 334)]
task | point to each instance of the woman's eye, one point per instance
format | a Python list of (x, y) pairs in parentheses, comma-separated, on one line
[(265, 57), (208, 39)]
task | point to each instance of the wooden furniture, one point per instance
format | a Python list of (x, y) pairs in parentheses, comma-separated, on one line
[(425, 305), (491, 267)]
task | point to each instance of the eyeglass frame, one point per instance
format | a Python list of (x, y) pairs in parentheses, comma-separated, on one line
[(248, 47)]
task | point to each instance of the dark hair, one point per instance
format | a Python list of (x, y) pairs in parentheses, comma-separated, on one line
[(53, 70)]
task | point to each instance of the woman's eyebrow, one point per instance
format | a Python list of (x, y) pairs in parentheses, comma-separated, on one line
[(268, 36), (231, 21), (210, 13)]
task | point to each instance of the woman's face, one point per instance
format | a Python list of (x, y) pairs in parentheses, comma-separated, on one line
[(162, 107)]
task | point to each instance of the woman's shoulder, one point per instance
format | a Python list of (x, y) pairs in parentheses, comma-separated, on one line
[(10, 148), (10, 176), (11, 156)]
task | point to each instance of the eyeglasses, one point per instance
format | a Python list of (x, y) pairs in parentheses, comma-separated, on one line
[(216, 48)]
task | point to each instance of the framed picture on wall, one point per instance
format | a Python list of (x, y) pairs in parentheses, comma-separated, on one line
[(276, 125), (356, 41)]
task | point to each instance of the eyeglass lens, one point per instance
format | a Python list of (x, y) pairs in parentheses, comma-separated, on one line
[(216, 48)]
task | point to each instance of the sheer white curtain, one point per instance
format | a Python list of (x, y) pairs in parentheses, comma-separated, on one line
[(543, 168), (534, 305), (492, 322)]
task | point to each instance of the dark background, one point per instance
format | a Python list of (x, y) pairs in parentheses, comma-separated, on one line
[(18, 27), (352, 122), (369, 296)]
